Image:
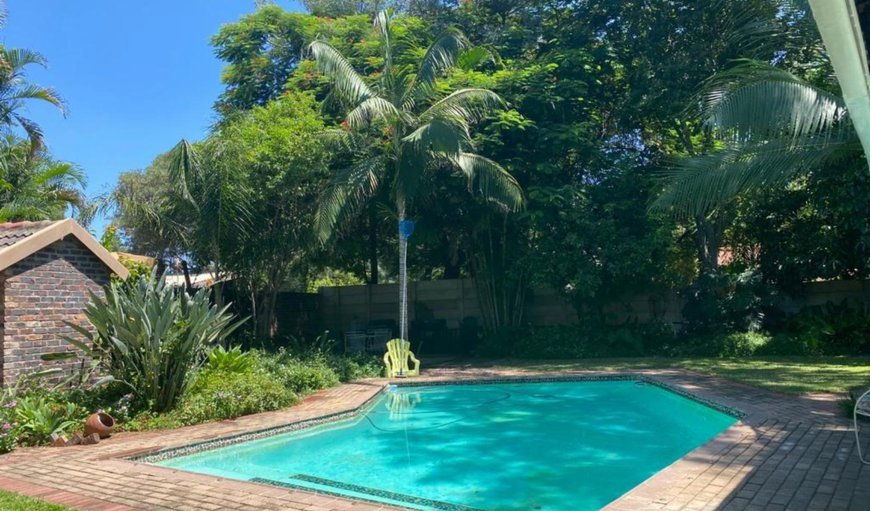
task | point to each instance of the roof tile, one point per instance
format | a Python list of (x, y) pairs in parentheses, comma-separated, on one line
[(13, 232)]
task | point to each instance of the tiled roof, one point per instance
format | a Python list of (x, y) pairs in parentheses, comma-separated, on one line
[(13, 232), (19, 240)]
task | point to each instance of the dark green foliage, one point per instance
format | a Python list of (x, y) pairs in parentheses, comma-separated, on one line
[(733, 301), (834, 329), (357, 367), (740, 344)]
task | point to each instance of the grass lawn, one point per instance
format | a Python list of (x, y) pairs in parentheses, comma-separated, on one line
[(14, 502), (794, 375)]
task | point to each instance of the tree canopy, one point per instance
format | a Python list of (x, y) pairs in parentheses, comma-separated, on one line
[(648, 139)]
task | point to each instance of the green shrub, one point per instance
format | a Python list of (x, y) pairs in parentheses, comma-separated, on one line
[(8, 427), (145, 421), (785, 344), (833, 329), (735, 344), (300, 376), (358, 366), (233, 360), (151, 337), (216, 395), (304, 349), (39, 418)]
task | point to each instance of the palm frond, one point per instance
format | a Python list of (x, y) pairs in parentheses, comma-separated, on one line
[(184, 166), (475, 57), (33, 91), (18, 58), (34, 133), (382, 27), (350, 142), (346, 193), (61, 174), (762, 102), (440, 135), (701, 184), (469, 105), (20, 210), (439, 57), (491, 179), (347, 81), (371, 109)]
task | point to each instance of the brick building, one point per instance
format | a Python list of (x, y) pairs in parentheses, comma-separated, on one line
[(46, 271)]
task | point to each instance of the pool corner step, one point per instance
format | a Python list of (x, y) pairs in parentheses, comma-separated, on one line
[(340, 489)]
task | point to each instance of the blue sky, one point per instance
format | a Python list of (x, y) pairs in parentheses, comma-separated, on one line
[(137, 76)]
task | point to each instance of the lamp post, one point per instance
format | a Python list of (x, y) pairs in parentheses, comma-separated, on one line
[(406, 228)]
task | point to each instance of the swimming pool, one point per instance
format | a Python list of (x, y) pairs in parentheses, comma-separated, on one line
[(570, 446)]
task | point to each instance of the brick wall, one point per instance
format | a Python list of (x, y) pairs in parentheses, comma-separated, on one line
[(39, 294)]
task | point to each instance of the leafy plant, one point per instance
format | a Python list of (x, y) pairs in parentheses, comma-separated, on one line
[(219, 395), (301, 376), (302, 348), (151, 337), (39, 418), (835, 329), (232, 360), (350, 367)]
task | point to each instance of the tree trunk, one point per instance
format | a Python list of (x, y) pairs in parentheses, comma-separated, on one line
[(707, 241), (188, 285), (373, 245), (266, 324)]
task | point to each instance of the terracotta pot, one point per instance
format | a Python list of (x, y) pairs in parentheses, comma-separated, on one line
[(100, 423)]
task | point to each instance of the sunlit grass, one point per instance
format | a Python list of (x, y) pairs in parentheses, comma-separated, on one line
[(15, 502), (794, 375)]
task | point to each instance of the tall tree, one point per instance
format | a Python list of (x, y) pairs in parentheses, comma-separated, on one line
[(419, 132)]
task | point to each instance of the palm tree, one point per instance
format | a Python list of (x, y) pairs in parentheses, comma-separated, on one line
[(416, 132), (35, 187), (16, 91), (769, 127), (206, 210)]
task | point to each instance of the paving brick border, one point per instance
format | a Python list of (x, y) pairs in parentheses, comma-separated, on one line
[(788, 452)]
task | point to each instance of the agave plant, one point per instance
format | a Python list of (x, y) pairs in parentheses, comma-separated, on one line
[(770, 127), (232, 360), (151, 337), (416, 130)]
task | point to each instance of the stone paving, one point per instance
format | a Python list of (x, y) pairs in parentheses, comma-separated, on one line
[(788, 453)]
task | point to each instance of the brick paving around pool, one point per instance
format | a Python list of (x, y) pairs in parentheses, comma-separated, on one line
[(788, 453)]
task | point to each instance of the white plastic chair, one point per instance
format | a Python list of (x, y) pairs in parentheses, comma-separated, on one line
[(862, 409)]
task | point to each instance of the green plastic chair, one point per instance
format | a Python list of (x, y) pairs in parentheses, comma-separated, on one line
[(396, 359)]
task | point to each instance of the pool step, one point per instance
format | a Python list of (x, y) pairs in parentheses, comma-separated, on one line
[(355, 491)]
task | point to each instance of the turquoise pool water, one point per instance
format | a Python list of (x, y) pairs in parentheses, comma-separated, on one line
[(566, 446)]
